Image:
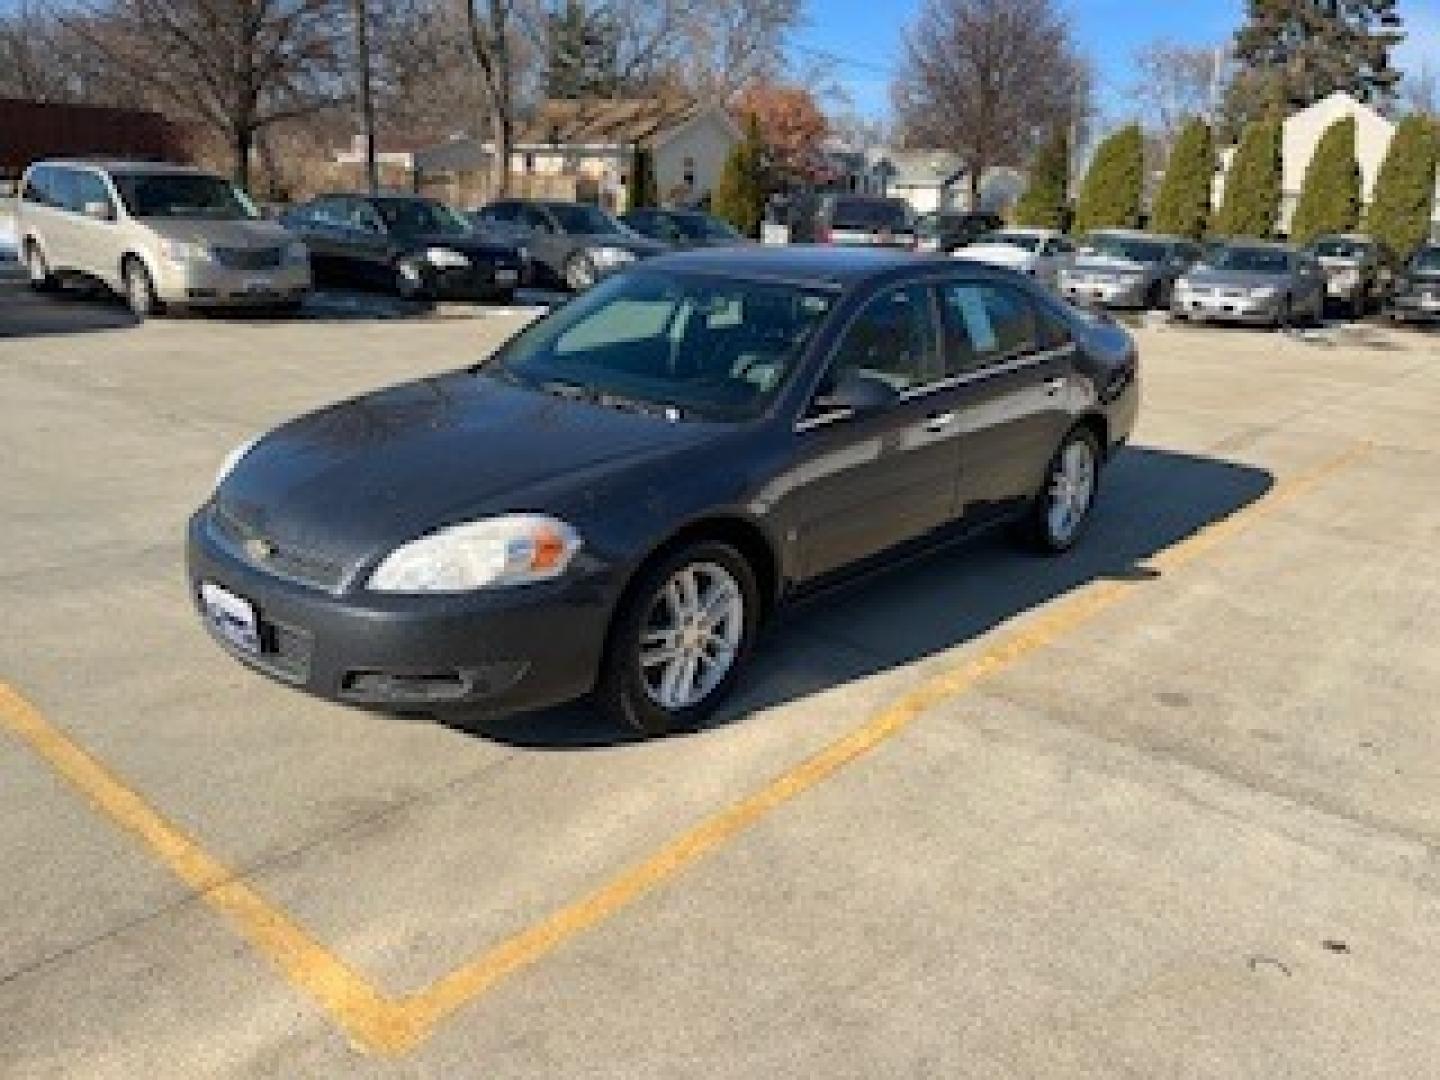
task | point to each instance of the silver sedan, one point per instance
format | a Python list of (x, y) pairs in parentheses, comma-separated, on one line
[(1252, 282)]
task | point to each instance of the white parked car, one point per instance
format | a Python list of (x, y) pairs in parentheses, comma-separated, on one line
[(1040, 253)]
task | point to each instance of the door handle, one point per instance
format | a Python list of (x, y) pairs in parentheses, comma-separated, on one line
[(938, 422)]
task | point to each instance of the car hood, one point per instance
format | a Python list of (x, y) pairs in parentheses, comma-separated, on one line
[(997, 254), (355, 479), (1233, 279), (238, 234), (1108, 264)]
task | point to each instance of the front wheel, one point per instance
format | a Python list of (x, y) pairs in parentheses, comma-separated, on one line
[(38, 270), (1059, 514), (140, 291), (679, 638)]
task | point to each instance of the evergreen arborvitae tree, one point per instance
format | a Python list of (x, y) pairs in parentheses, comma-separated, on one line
[(1182, 208), (1303, 50), (1046, 202), (1252, 186), (1404, 199), (1330, 198), (740, 195), (1110, 197), (644, 190)]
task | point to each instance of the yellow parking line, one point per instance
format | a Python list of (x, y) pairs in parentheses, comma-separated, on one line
[(386, 1025)]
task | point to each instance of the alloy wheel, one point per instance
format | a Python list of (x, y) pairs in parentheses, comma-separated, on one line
[(1072, 489), (691, 637)]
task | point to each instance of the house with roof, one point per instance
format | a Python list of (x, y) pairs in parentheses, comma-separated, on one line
[(934, 180), (585, 149), (1301, 133)]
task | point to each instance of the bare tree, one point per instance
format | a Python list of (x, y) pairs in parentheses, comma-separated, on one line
[(1174, 82), (235, 67), (721, 45), (43, 59), (492, 26), (985, 78)]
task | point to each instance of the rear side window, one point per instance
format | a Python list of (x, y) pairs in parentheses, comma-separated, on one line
[(895, 339), (987, 324), (88, 188)]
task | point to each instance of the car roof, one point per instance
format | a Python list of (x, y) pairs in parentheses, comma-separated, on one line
[(1139, 234), (121, 167), (1265, 245), (817, 265)]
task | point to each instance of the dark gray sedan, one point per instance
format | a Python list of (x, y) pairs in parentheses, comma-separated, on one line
[(1121, 268), (569, 245), (1252, 281), (683, 229), (1416, 296), (620, 496)]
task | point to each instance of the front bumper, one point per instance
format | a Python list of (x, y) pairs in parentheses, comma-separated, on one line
[(203, 283), (1106, 293), (1219, 307), (1416, 306), (477, 281), (503, 651), (1346, 289)]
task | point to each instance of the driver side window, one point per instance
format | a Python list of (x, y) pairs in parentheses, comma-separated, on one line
[(895, 339)]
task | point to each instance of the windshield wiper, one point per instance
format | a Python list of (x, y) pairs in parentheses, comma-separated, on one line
[(574, 391)]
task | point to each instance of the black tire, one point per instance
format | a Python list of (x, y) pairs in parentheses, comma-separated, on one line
[(1358, 306), (1036, 530), (37, 270), (140, 291), (1285, 317), (621, 691)]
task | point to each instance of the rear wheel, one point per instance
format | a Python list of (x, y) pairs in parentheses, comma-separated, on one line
[(1059, 514), (38, 270), (679, 638), (140, 291)]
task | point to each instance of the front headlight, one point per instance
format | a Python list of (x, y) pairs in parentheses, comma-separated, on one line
[(181, 251), (227, 466), (510, 550), (446, 258), (611, 256), (296, 252)]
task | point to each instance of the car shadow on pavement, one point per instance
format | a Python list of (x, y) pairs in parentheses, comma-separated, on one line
[(71, 310), (1151, 500)]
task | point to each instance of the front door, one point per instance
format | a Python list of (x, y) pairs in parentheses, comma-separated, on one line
[(862, 484)]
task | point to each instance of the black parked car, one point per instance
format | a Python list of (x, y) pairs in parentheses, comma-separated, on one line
[(573, 245), (1417, 289), (417, 247), (683, 228), (950, 230), (619, 496)]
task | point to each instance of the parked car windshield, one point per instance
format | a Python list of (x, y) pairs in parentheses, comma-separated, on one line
[(703, 227), (1341, 249), (1023, 241), (585, 220), (1252, 260), (870, 214), (1124, 247), (183, 195), (1426, 261), (420, 217), (682, 346)]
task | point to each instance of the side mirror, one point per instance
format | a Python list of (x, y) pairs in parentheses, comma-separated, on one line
[(99, 210), (859, 395)]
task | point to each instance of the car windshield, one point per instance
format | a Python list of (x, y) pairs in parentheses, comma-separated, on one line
[(1124, 247), (585, 220), (870, 214), (679, 346), (703, 227), (183, 195), (1337, 248), (420, 217), (1023, 241), (1252, 260), (1426, 261)]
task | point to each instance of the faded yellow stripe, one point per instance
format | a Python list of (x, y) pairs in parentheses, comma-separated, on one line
[(388, 1026)]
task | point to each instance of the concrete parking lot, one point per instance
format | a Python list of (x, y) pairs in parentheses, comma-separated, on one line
[(1168, 807)]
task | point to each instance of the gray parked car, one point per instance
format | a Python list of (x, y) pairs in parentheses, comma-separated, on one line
[(1253, 281), (567, 244), (865, 221), (1360, 271), (1417, 291), (1121, 268)]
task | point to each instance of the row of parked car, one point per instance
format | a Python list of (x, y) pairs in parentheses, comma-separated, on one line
[(167, 235)]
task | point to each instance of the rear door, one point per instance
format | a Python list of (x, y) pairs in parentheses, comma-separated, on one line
[(1012, 362), (861, 485)]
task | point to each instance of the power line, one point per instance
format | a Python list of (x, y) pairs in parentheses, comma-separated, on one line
[(840, 60)]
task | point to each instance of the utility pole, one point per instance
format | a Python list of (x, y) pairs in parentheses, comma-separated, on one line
[(367, 102)]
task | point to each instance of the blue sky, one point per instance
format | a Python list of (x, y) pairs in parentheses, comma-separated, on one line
[(867, 34)]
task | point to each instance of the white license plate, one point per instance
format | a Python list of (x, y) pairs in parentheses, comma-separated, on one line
[(506, 276), (232, 617)]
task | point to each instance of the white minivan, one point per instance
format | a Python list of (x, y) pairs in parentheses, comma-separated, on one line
[(160, 235)]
